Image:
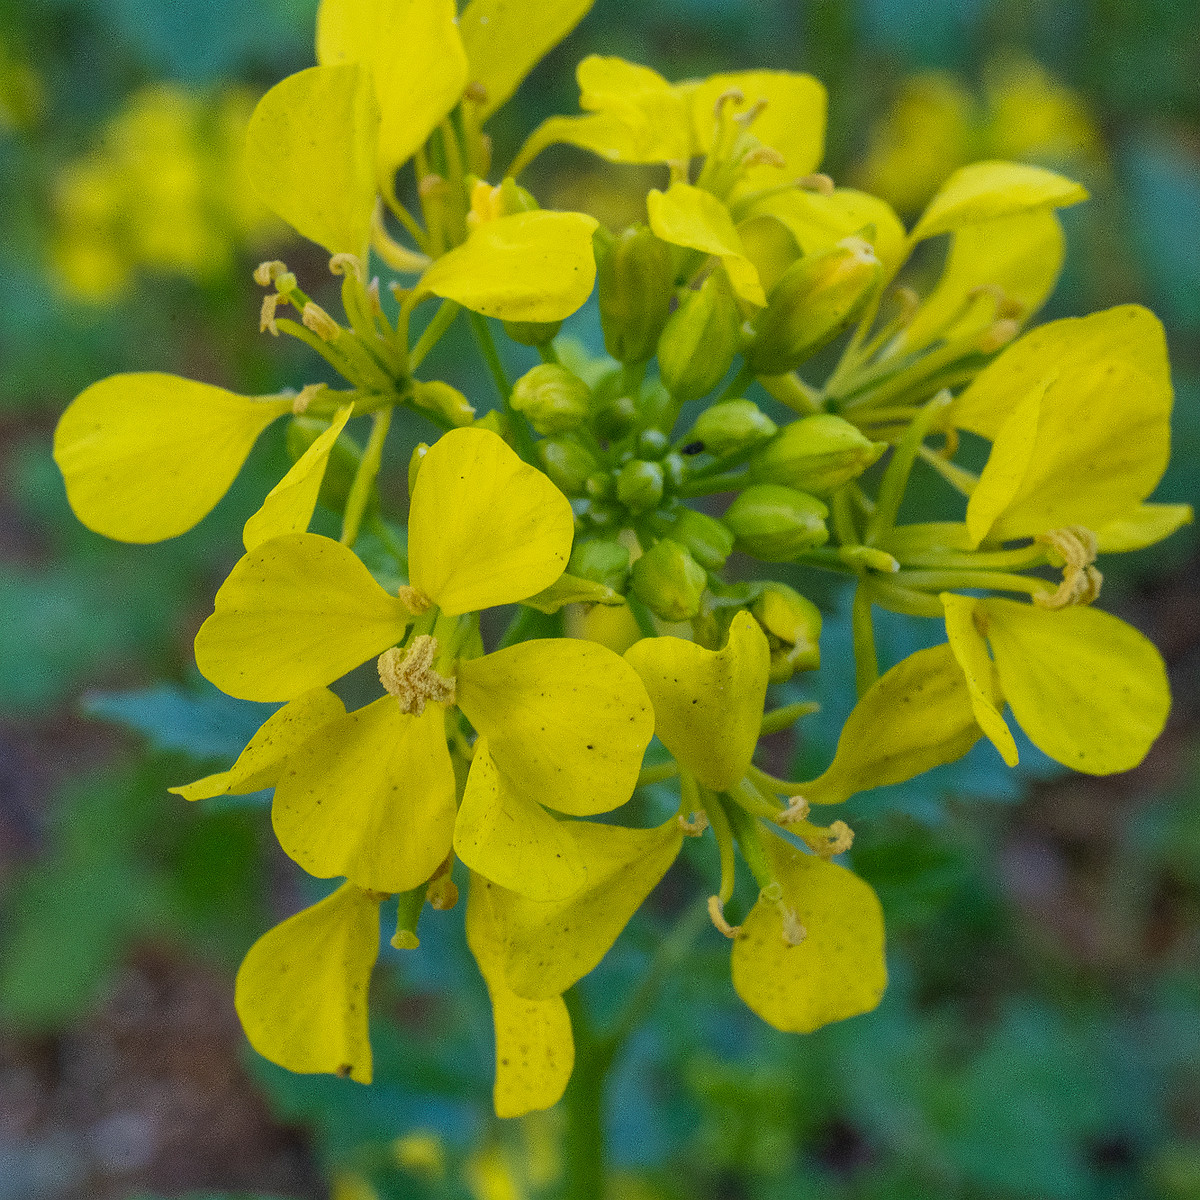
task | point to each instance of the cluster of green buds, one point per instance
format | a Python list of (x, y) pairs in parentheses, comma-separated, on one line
[(589, 498)]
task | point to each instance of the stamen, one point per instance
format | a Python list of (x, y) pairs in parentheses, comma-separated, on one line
[(266, 273), (442, 893), (998, 335), (797, 810), (717, 914), (266, 316), (729, 96), (410, 677), (430, 185), (747, 118), (475, 92), (373, 296), (1077, 546), (345, 264), (763, 156), (414, 600), (821, 184), (696, 826), (306, 396), (320, 322)]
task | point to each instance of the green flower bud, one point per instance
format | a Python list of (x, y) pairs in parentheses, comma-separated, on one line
[(652, 443), (636, 278), (532, 333), (815, 454), (707, 540), (515, 199), (449, 402), (640, 485), (603, 560), (554, 400), (600, 485), (818, 296), (669, 581), (699, 342), (567, 463), (657, 407), (343, 463), (776, 523), (674, 469), (731, 425), (792, 624), (616, 417)]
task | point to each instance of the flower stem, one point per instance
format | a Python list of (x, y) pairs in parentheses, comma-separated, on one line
[(491, 357), (364, 479)]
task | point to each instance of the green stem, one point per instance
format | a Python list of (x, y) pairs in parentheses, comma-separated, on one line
[(783, 718), (729, 481), (491, 357), (658, 773), (738, 384), (866, 660), (792, 391), (548, 353), (442, 320), (641, 614), (584, 1148), (948, 581), (364, 478)]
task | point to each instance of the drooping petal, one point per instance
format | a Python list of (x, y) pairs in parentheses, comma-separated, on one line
[(970, 650), (1021, 254), (984, 191), (310, 154), (301, 991), (689, 216), (535, 1051), (708, 704), (505, 39), (567, 721), (484, 528), (289, 505), (295, 613), (414, 55), (550, 945), (505, 836), (1142, 526), (531, 266), (836, 971), (1063, 349), (371, 797), (1089, 690), (917, 716), (792, 122), (260, 764), (147, 456)]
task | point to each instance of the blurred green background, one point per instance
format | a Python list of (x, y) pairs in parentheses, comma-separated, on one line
[(1041, 1035)]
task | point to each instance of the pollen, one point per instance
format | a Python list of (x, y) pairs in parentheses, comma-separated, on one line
[(1077, 546), (320, 322), (409, 676)]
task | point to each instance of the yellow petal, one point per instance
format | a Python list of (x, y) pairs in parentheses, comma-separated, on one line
[(260, 764), (550, 945), (836, 971), (301, 992), (484, 528), (688, 216), (1021, 254), (793, 121), (310, 154), (415, 58), (505, 836), (708, 704), (567, 721), (145, 457), (295, 613), (984, 191), (535, 1051), (371, 797), (1129, 334), (532, 266), (506, 39), (916, 717), (289, 505), (1090, 691), (1142, 526), (970, 650)]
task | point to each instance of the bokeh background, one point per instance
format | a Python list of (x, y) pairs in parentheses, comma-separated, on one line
[(1041, 1036)]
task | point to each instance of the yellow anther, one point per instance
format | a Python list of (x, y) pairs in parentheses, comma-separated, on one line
[(797, 810), (763, 156), (346, 264), (475, 92), (729, 96), (415, 601), (816, 182), (717, 913), (320, 322), (998, 335), (431, 185), (442, 893), (373, 296), (306, 396), (909, 302), (266, 273), (1077, 546), (266, 316), (747, 118), (410, 677), (694, 827), (485, 204)]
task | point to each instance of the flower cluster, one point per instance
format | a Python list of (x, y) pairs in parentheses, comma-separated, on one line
[(584, 492)]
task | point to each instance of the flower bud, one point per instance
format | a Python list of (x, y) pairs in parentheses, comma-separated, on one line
[(657, 407), (600, 485), (567, 463), (674, 469), (343, 461), (731, 425), (614, 417), (669, 581), (792, 624), (776, 523), (818, 296), (603, 560), (815, 454), (640, 485), (554, 400), (532, 333), (700, 340), (439, 397), (707, 540), (652, 443), (636, 278)]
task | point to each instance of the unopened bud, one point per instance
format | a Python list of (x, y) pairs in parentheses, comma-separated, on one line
[(699, 341), (341, 467), (567, 463), (669, 581), (532, 333), (776, 523), (730, 426), (414, 464), (792, 624), (602, 560), (636, 278), (652, 443), (817, 297), (439, 397), (554, 400), (707, 540), (815, 454), (615, 417), (640, 485)]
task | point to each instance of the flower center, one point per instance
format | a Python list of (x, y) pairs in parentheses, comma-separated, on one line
[(409, 676), (1077, 547)]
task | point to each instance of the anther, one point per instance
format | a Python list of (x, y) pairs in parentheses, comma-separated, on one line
[(413, 599), (747, 118), (797, 810), (1077, 546), (909, 302), (998, 335), (729, 96), (320, 322), (266, 273), (410, 677), (696, 826), (307, 394), (764, 156), (717, 914), (266, 316), (373, 296), (345, 264), (475, 92), (821, 184), (430, 185), (442, 893)]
